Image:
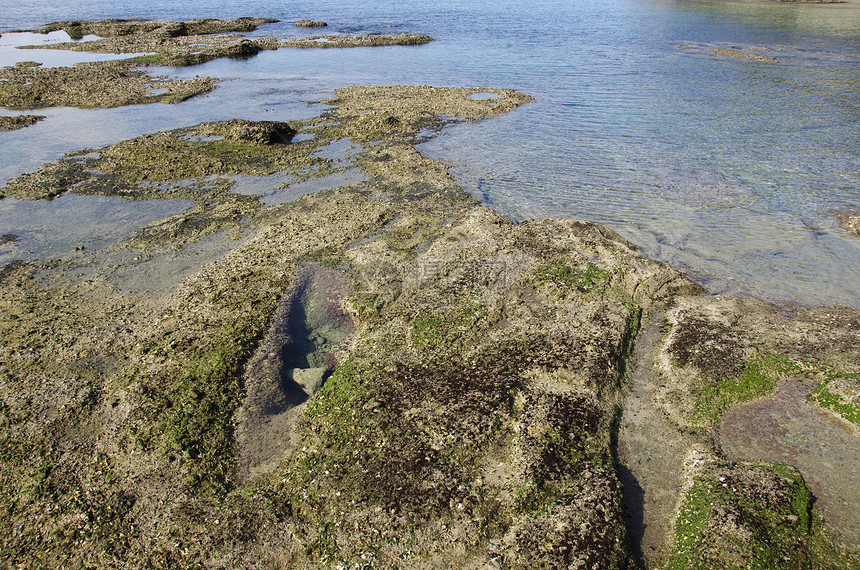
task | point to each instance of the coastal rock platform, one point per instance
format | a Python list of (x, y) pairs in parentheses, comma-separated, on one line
[(384, 373)]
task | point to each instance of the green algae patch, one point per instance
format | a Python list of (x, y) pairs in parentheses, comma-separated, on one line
[(721, 352), (761, 375), (841, 395), (562, 274), (185, 163), (199, 405), (748, 515)]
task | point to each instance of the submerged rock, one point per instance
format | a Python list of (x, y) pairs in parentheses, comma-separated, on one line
[(851, 222), (729, 52)]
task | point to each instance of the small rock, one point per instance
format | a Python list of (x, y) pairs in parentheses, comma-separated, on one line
[(260, 132)]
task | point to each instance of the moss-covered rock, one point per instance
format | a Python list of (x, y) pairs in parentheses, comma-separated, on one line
[(385, 373), (744, 515), (720, 352)]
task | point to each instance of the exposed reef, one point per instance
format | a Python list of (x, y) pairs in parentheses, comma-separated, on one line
[(155, 28), (383, 374), (723, 351), (367, 40), (752, 53), (18, 122), (310, 24), (104, 84), (93, 84)]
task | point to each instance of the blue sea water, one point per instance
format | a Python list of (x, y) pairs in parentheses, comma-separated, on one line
[(731, 169)]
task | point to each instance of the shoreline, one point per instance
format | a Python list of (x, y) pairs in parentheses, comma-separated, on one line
[(444, 376)]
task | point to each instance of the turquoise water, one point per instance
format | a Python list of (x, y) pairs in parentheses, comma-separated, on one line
[(731, 169)]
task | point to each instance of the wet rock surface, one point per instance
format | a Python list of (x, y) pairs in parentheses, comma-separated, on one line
[(382, 374), (752, 382), (787, 427), (310, 24), (105, 84), (651, 451), (367, 40), (18, 122)]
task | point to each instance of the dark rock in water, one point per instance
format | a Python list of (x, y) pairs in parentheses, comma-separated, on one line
[(8, 238), (260, 132), (18, 122), (310, 24), (243, 49)]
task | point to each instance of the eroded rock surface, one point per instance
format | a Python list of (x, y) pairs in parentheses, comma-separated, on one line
[(18, 122), (759, 383), (476, 390), (380, 374), (105, 84)]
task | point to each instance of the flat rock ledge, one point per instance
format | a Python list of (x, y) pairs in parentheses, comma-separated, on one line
[(310, 24), (106, 84), (18, 122), (383, 374)]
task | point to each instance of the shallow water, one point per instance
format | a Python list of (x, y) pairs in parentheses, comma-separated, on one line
[(729, 168), (47, 229), (10, 53), (785, 427)]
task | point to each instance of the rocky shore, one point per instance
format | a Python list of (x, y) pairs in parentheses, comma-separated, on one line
[(16, 122), (116, 83), (385, 374)]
